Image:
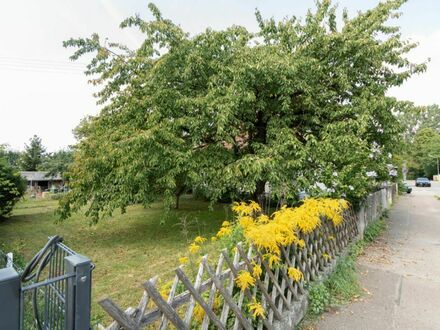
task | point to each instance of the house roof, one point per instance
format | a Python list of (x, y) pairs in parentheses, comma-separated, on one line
[(39, 176)]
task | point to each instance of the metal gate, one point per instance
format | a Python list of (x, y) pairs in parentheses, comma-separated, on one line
[(55, 290)]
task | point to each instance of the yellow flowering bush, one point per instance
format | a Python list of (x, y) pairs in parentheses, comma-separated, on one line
[(281, 228)]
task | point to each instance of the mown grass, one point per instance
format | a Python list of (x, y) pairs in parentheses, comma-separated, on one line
[(127, 249)]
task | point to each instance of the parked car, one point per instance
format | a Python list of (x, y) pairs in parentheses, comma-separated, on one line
[(423, 182), (407, 188)]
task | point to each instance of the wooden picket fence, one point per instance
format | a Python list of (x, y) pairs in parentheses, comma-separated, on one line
[(275, 289)]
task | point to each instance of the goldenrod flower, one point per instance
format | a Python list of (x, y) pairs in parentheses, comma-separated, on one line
[(244, 280), (246, 208), (257, 271), (199, 239), (295, 274), (274, 259), (256, 309), (213, 238), (246, 222), (183, 260), (224, 231), (199, 314), (165, 289), (226, 223), (193, 248)]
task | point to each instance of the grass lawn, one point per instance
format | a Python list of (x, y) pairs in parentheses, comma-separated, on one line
[(127, 249)]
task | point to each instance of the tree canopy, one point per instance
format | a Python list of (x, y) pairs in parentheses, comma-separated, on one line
[(12, 157), (57, 163), (33, 155), (421, 146), (300, 104)]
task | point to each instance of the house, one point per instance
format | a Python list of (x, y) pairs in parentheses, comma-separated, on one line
[(39, 181)]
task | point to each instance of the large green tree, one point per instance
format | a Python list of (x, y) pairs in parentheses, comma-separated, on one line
[(33, 154), (301, 104)]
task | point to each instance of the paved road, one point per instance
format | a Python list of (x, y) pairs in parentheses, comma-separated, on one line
[(401, 273)]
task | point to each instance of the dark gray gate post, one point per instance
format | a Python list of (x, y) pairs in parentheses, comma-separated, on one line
[(9, 299), (78, 293)]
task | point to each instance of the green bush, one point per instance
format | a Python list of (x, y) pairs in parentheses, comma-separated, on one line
[(401, 188), (319, 298), (12, 188)]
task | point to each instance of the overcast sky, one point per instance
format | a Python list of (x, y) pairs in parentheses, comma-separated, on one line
[(43, 93)]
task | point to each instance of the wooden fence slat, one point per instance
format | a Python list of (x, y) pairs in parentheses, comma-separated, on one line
[(192, 302), (260, 284), (164, 322), (130, 311), (292, 292), (198, 297), (273, 278), (212, 293), (184, 297), (117, 314), (143, 304), (230, 289), (235, 273), (237, 323), (169, 312), (228, 299)]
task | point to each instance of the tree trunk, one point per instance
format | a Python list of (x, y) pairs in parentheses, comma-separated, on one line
[(176, 206), (258, 194)]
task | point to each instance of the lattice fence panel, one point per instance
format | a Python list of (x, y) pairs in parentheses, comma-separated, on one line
[(212, 300)]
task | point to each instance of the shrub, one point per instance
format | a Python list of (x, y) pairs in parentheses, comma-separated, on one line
[(319, 298), (12, 188)]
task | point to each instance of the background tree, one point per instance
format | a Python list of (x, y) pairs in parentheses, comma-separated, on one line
[(424, 151), (33, 155), (12, 187), (12, 157), (300, 104), (421, 135), (57, 163)]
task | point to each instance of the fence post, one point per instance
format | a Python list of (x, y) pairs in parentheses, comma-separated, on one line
[(361, 223), (78, 293), (10, 299)]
